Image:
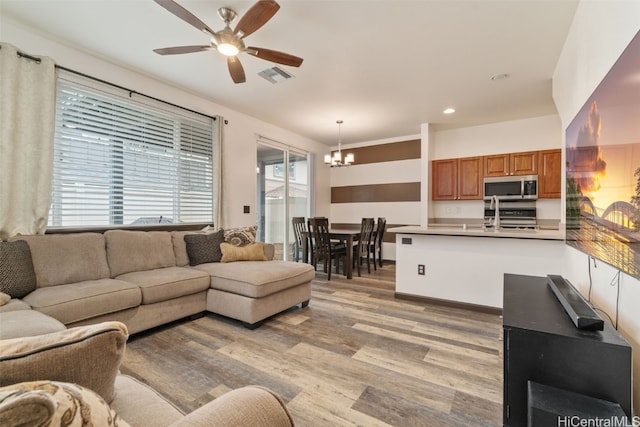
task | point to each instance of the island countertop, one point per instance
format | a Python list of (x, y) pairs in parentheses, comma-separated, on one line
[(474, 230)]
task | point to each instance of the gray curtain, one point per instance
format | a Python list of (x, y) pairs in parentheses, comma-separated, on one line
[(27, 121)]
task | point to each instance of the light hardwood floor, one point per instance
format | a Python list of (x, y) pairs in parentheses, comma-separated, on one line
[(356, 356)]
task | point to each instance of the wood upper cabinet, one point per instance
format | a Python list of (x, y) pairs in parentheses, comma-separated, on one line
[(525, 163), (550, 174), (470, 178), (456, 179)]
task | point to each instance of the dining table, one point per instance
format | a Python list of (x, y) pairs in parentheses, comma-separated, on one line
[(349, 237)]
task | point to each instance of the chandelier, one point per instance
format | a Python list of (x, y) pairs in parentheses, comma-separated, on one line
[(336, 160)]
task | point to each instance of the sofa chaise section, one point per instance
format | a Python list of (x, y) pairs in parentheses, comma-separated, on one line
[(251, 291)]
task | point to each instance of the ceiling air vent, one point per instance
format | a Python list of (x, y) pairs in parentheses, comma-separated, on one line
[(275, 75)]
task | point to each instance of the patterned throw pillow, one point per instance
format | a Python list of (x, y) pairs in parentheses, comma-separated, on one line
[(252, 252), (75, 405), (242, 236), (202, 248), (17, 277)]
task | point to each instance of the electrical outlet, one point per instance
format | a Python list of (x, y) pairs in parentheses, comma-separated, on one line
[(421, 269), (246, 209)]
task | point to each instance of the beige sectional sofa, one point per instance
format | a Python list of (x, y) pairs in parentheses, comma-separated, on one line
[(143, 279), (91, 290)]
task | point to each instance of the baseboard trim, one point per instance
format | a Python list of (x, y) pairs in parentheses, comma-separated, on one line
[(449, 303)]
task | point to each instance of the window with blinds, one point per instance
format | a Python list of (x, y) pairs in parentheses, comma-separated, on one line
[(120, 161)]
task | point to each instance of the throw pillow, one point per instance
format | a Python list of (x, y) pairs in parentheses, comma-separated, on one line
[(26, 408), (17, 277), (252, 252), (203, 248), (86, 355), (4, 298), (74, 404), (242, 236)]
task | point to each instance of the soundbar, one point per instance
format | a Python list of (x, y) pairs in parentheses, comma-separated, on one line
[(581, 313)]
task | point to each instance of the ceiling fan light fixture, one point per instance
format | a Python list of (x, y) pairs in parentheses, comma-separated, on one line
[(228, 49)]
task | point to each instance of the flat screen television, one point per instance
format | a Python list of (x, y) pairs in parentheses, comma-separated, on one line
[(603, 168)]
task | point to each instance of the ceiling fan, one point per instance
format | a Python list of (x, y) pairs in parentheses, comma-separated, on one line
[(231, 42)]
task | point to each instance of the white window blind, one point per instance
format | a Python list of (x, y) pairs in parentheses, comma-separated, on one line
[(122, 161)]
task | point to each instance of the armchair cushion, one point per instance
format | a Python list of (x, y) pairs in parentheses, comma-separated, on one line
[(74, 405), (247, 406), (86, 355)]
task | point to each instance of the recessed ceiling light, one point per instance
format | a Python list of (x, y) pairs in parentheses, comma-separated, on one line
[(449, 110), (502, 76)]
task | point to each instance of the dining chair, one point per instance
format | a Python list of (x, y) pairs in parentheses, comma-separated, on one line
[(376, 244), (323, 249), (362, 249), (300, 234)]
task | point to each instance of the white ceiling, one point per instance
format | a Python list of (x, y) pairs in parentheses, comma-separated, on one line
[(382, 66)]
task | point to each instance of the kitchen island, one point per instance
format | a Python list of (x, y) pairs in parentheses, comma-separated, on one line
[(454, 263)]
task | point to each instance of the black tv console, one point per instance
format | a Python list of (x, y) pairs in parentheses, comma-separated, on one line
[(542, 345)]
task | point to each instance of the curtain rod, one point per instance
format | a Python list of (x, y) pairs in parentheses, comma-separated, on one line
[(27, 56), (131, 92)]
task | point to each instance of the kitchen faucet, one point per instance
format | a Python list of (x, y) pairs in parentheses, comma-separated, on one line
[(495, 202)]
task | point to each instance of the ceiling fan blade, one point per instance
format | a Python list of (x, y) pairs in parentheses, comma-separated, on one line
[(235, 69), (275, 56), (185, 15), (256, 17), (176, 50)]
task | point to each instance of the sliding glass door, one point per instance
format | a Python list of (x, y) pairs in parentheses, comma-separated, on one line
[(283, 192)]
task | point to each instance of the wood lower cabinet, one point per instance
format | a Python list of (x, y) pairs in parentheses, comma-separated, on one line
[(525, 163), (550, 174), (456, 179)]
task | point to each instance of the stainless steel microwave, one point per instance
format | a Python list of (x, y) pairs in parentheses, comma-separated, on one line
[(511, 187)]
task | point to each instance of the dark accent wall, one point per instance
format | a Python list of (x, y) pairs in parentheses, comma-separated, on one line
[(399, 192), (393, 151)]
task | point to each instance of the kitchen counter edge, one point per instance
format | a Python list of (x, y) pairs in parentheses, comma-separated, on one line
[(458, 230)]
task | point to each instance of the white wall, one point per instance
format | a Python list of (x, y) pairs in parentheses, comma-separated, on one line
[(239, 135), (600, 32), (398, 171)]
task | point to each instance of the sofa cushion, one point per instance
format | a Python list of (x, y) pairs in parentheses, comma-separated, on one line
[(203, 248), (167, 283), (180, 247), (26, 323), (252, 252), (14, 305), (87, 355), (241, 236), (75, 405), (84, 300), (257, 279), (17, 277), (59, 259), (129, 251)]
